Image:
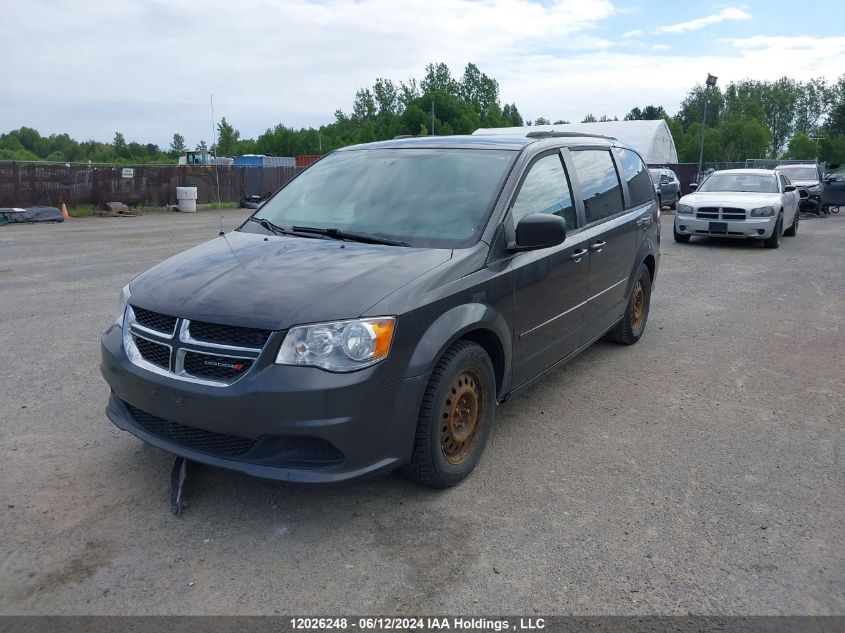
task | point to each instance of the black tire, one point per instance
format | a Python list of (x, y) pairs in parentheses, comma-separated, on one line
[(441, 458), (774, 240), (680, 238), (629, 330), (674, 205), (792, 231)]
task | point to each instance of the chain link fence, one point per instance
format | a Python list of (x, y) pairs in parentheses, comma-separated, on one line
[(24, 184)]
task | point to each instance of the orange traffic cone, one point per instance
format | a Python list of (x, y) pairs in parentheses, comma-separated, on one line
[(64, 211)]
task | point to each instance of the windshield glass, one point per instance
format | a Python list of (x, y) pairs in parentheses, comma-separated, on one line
[(438, 198), (800, 173), (754, 183)]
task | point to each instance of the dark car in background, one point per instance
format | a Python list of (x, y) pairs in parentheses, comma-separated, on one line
[(373, 312), (668, 186), (808, 177), (833, 190)]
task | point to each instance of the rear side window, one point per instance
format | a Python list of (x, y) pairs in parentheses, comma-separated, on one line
[(640, 187), (546, 190), (599, 183)]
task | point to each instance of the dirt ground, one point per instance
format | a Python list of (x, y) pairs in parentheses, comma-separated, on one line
[(700, 470)]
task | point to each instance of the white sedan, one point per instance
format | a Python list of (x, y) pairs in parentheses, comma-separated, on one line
[(745, 203)]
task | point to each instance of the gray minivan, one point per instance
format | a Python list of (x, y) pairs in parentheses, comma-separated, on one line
[(373, 313)]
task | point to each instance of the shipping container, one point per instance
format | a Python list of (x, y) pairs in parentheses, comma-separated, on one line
[(306, 159)]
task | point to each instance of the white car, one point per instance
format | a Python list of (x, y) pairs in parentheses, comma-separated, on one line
[(743, 203)]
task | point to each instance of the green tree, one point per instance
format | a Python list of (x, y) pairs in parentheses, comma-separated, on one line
[(590, 118), (541, 120), (119, 145), (648, 113), (802, 147), (743, 138), (177, 145), (227, 138)]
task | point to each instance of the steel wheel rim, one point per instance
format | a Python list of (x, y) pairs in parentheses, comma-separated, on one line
[(638, 306), (462, 416)]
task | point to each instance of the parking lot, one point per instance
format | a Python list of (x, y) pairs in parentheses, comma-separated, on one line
[(699, 471)]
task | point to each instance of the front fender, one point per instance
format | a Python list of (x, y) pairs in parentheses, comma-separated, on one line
[(648, 246), (455, 324)]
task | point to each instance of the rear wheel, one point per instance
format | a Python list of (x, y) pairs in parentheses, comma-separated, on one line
[(774, 240), (631, 327), (681, 238), (455, 417)]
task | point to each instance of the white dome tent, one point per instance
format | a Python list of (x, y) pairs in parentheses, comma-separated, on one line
[(652, 139)]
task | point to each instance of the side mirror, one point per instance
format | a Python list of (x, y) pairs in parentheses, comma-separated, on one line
[(539, 230), (788, 188), (693, 186)]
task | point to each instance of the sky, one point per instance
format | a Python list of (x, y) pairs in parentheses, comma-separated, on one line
[(147, 69)]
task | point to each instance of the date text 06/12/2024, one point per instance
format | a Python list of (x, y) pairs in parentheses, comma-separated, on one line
[(419, 624)]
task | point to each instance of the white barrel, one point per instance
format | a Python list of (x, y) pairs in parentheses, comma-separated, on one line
[(186, 197)]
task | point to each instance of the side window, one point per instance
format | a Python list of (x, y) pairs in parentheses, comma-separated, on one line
[(636, 174), (545, 190), (599, 183)]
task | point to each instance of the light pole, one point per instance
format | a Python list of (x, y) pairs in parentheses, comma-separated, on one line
[(711, 82)]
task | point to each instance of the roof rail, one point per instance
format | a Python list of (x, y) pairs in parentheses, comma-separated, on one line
[(541, 134), (398, 136)]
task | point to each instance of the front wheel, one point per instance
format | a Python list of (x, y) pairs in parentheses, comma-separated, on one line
[(631, 327), (774, 240), (455, 417), (792, 231)]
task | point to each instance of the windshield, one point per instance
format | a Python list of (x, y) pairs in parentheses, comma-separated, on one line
[(754, 183), (438, 198), (800, 173)]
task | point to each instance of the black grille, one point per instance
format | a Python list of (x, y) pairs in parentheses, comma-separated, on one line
[(154, 353), (154, 320), (197, 439), (229, 334), (216, 367), (302, 452), (729, 213), (708, 213)]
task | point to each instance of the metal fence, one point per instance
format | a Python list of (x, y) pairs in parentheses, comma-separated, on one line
[(24, 184)]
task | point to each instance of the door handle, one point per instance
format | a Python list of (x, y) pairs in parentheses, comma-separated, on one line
[(577, 255), (597, 246)]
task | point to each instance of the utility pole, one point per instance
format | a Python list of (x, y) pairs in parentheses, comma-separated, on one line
[(432, 117), (711, 81)]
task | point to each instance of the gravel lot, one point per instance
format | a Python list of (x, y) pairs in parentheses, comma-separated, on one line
[(698, 471)]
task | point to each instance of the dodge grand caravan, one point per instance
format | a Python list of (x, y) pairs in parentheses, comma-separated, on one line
[(375, 310)]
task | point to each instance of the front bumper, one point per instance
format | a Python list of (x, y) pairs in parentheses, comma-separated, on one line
[(752, 227), (279, 422)]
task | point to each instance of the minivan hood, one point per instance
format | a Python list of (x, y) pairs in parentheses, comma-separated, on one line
[(274, 282), (730, 198)]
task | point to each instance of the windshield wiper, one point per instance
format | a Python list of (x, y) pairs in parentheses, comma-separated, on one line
[(343, 235), (275, 229)]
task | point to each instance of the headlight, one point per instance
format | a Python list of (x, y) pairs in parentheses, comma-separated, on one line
[(121, 309), (684, 209), (338, 345), (762, 212)]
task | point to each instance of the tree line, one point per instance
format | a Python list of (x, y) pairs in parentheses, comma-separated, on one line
[(748, 119)]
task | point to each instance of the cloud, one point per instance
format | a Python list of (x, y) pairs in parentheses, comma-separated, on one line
[(633, 33), (731, 13), (660, 47), (147, 68)]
